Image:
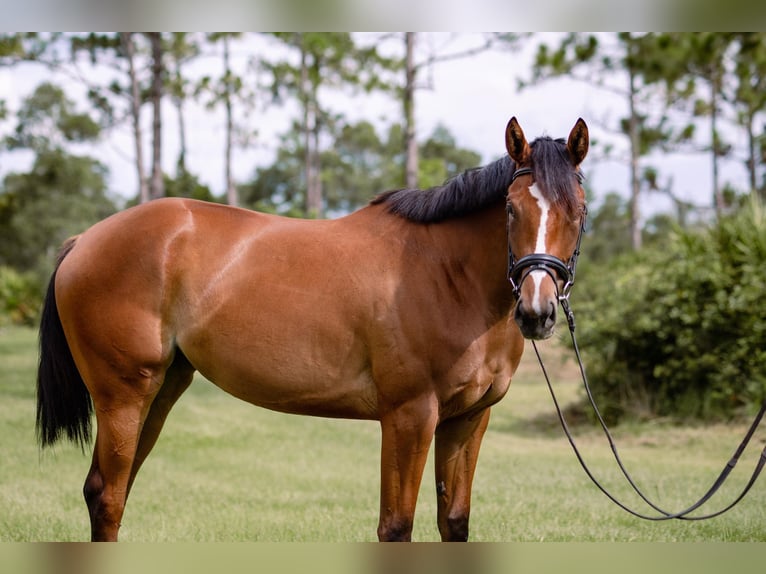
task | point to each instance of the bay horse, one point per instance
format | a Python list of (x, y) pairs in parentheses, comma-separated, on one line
[(399, 312)]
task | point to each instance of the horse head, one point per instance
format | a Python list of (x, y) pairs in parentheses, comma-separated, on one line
[(546, 217)]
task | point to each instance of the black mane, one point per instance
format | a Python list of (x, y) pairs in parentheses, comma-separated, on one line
[(463, 194), (482, 187)]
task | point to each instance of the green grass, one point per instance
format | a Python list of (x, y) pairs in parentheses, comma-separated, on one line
[(226, 470)]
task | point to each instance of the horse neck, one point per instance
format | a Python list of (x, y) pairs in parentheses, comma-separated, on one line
[(477, 245)]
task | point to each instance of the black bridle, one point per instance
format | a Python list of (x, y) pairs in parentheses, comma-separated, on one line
[(519, 270), (556, 268)]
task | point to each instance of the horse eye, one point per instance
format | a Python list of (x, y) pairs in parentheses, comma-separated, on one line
[(510, 210)]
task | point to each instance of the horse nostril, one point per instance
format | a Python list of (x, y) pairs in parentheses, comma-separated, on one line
[(521, 310), (551, 318)]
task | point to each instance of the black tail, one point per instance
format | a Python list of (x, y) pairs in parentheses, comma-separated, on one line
[(63, 402)]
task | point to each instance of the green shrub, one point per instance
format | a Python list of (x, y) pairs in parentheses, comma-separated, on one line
[(20, 297), (680, 330)]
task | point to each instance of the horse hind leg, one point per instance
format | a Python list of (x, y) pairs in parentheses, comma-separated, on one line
[(106, 485), (122, 405), (177, 379)]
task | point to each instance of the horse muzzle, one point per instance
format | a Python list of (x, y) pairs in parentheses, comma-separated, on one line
[(536, 313), (536, 321)]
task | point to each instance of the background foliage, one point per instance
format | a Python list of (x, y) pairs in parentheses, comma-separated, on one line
[(679, 329), (19, 298)]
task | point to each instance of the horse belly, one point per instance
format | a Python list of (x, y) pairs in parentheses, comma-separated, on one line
[(278, 360), (351, 398)]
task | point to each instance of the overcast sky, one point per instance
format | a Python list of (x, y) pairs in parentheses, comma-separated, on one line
[(474, 97)]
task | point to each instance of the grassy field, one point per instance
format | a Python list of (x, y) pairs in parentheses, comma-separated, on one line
[(226, 470)]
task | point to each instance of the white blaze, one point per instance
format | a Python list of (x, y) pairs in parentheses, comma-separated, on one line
[(540, 244)]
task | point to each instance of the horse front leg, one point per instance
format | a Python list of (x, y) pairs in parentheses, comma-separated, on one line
[(407, 433), (456, 453)]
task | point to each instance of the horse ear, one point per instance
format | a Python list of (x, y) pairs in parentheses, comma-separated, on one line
[(515, 142), (578, 142)]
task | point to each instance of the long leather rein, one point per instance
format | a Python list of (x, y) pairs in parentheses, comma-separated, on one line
[(518, 271), (663, 514)]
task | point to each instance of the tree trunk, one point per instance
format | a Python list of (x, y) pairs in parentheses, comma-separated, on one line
[(310, 139), (135, 110), (156, 187), (751, 152), (717, 193), (179, 104), (181, 139), (315, 189), (410, 141), (635, 182), (231, 189), (307, 166)]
